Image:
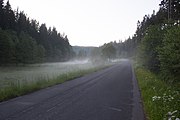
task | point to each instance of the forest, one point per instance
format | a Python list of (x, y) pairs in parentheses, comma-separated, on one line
[(24, 40), (156, 42), (34, 56)]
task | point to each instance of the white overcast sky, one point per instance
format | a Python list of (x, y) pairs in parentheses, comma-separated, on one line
[(89, 22)]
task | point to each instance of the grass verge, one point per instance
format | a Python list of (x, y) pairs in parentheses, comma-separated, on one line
[(15, 89), (161, 100)]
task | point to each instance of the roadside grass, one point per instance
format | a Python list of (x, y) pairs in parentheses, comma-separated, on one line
[(17, 88), (161, 100)]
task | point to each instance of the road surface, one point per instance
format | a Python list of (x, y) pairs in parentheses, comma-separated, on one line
[(110, 94)]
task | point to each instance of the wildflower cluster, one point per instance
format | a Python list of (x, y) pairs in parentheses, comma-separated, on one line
[(168, 102), (155, 98), (167, 98)]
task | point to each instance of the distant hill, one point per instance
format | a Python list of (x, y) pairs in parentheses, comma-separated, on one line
[(87, 50)]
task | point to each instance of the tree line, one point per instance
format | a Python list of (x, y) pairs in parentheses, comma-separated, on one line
[(24, 40), (156, 42)]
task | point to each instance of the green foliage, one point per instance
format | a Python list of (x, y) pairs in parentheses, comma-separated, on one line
[(108, 51), (22, 49), (159, 98), (158, 40), (149, 47), (169, 54), (40, 53), (104, 53), (7, 47), (25, 41), (27, 49), (159, 51), (171, 8)]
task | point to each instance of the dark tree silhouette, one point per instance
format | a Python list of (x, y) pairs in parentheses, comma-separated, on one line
[(23, 40), (1, 12)]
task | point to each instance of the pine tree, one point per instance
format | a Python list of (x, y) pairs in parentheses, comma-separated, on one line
[(172, 8), (1, 12), (9, 17)]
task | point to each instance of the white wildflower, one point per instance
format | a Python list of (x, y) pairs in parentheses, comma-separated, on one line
[(156, 98)]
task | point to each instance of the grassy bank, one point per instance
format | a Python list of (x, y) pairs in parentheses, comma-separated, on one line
[(15, 89), (161, 100)]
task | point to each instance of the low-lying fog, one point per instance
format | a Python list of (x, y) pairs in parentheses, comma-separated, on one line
[(33, 72), (42, 71)]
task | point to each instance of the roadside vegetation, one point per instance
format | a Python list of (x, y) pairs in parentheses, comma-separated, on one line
[(158, 62), (161, 100), (158, 57)]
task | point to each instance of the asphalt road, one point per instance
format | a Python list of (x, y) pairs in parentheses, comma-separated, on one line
[(110, 94)]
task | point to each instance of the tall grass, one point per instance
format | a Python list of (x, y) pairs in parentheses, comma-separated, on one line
[(35, 72), (161, 100), (18, 88)]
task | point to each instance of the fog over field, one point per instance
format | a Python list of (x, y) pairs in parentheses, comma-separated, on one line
[(34, 72)]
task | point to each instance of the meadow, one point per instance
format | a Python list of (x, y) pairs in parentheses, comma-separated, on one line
[(19, 80), (35, 72)]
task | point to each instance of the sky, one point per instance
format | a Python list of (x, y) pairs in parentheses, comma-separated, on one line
[(89, 22)]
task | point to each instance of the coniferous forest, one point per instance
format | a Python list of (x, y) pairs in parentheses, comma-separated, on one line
[(153, 50), (156, 42), (24, 40)]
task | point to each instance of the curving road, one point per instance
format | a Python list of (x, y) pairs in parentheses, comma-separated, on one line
[(110, 94)]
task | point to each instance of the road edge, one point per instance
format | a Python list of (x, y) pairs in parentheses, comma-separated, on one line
[(137, 111)]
